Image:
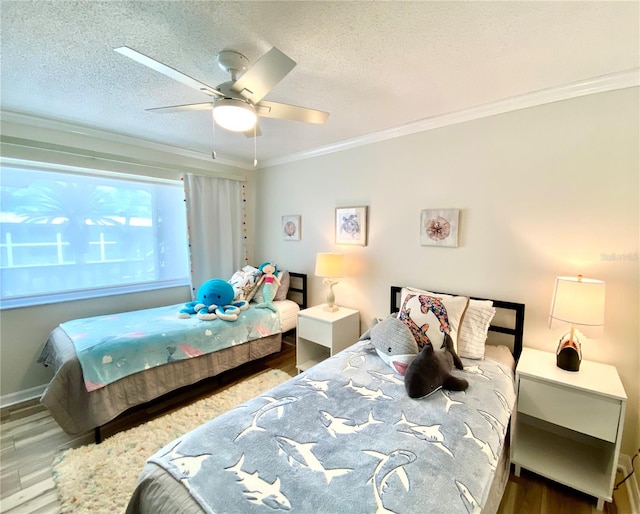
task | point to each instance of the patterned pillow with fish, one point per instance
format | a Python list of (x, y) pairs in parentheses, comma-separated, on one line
[(431, 316)]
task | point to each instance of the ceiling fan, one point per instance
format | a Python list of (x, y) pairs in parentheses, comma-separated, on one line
[(237, 103)]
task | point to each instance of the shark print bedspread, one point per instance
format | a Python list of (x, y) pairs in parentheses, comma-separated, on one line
[(114, 346), (345, 437)]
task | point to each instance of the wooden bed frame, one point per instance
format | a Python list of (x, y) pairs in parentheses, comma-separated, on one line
[(515, 309)]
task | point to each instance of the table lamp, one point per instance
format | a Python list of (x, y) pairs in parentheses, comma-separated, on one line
[(579, 302), (330, 266)]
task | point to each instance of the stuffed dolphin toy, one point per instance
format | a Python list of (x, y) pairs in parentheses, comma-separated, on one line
[(393, 342)]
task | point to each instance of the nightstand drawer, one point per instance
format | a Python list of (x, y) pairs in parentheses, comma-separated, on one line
[(315, 330), (591, 414)]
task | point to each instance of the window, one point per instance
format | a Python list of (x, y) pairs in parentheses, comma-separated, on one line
[(68, 235)]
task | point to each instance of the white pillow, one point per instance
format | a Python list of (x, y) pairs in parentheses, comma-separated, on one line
[(443, 313), (474, 328)]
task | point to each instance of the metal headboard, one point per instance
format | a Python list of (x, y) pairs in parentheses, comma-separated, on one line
[(298, 289), (517, 331)]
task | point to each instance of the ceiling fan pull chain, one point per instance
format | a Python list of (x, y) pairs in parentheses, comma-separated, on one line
[(213, 137), (255, 146)]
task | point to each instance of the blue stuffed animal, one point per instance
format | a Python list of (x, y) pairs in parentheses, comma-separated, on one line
[(214, 300)]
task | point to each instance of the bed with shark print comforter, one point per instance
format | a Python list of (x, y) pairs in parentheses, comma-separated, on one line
[(343, 437)]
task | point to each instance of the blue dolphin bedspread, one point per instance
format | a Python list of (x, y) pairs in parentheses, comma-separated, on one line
[(117, 345)]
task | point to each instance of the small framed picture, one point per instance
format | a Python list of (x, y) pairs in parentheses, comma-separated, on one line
[(291, 227), (351, 226), (439, 227)]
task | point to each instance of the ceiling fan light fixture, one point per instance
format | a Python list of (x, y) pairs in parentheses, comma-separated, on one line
[(234, 115)]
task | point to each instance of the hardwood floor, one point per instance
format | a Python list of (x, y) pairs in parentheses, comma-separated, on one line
[(30, 439), (532, 494)]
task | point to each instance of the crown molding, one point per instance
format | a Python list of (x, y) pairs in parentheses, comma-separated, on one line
[(114, 137), (611, 82), (601, 84)]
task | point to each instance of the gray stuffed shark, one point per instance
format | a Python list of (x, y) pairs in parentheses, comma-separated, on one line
[(393, 342), (431, 371)]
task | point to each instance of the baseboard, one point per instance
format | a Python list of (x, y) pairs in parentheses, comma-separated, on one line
[(624, 465), (21, 396)]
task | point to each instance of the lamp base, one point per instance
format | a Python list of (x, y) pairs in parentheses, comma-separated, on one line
[(569, 354), (330, 306)]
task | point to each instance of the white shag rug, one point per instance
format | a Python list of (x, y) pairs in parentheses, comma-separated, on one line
[(101, 477)]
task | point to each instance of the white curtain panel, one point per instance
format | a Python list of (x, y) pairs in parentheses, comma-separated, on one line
[(214, 217)]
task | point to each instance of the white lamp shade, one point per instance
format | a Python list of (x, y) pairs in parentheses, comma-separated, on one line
[(330, 265), (234, 115), (578, 301)]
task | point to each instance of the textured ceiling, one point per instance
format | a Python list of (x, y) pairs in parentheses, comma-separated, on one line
[(373, 65)]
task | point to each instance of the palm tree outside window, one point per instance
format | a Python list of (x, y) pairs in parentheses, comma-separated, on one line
[(66, 232)]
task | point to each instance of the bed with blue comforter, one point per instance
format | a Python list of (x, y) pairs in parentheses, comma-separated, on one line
[(344, 437), (115, 346), (105, 365)]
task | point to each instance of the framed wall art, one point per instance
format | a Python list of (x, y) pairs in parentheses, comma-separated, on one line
[(291, 228), (351, 226), (439, 227)]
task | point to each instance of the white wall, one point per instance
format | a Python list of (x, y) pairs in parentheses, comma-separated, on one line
[(546, 191)]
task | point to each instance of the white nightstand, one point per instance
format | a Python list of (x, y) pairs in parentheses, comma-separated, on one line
[(321, 334), (568, 425)]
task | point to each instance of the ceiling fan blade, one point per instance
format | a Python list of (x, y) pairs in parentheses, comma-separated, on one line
[(268, 109), (167, 70), (182, 108), (263, 76)]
